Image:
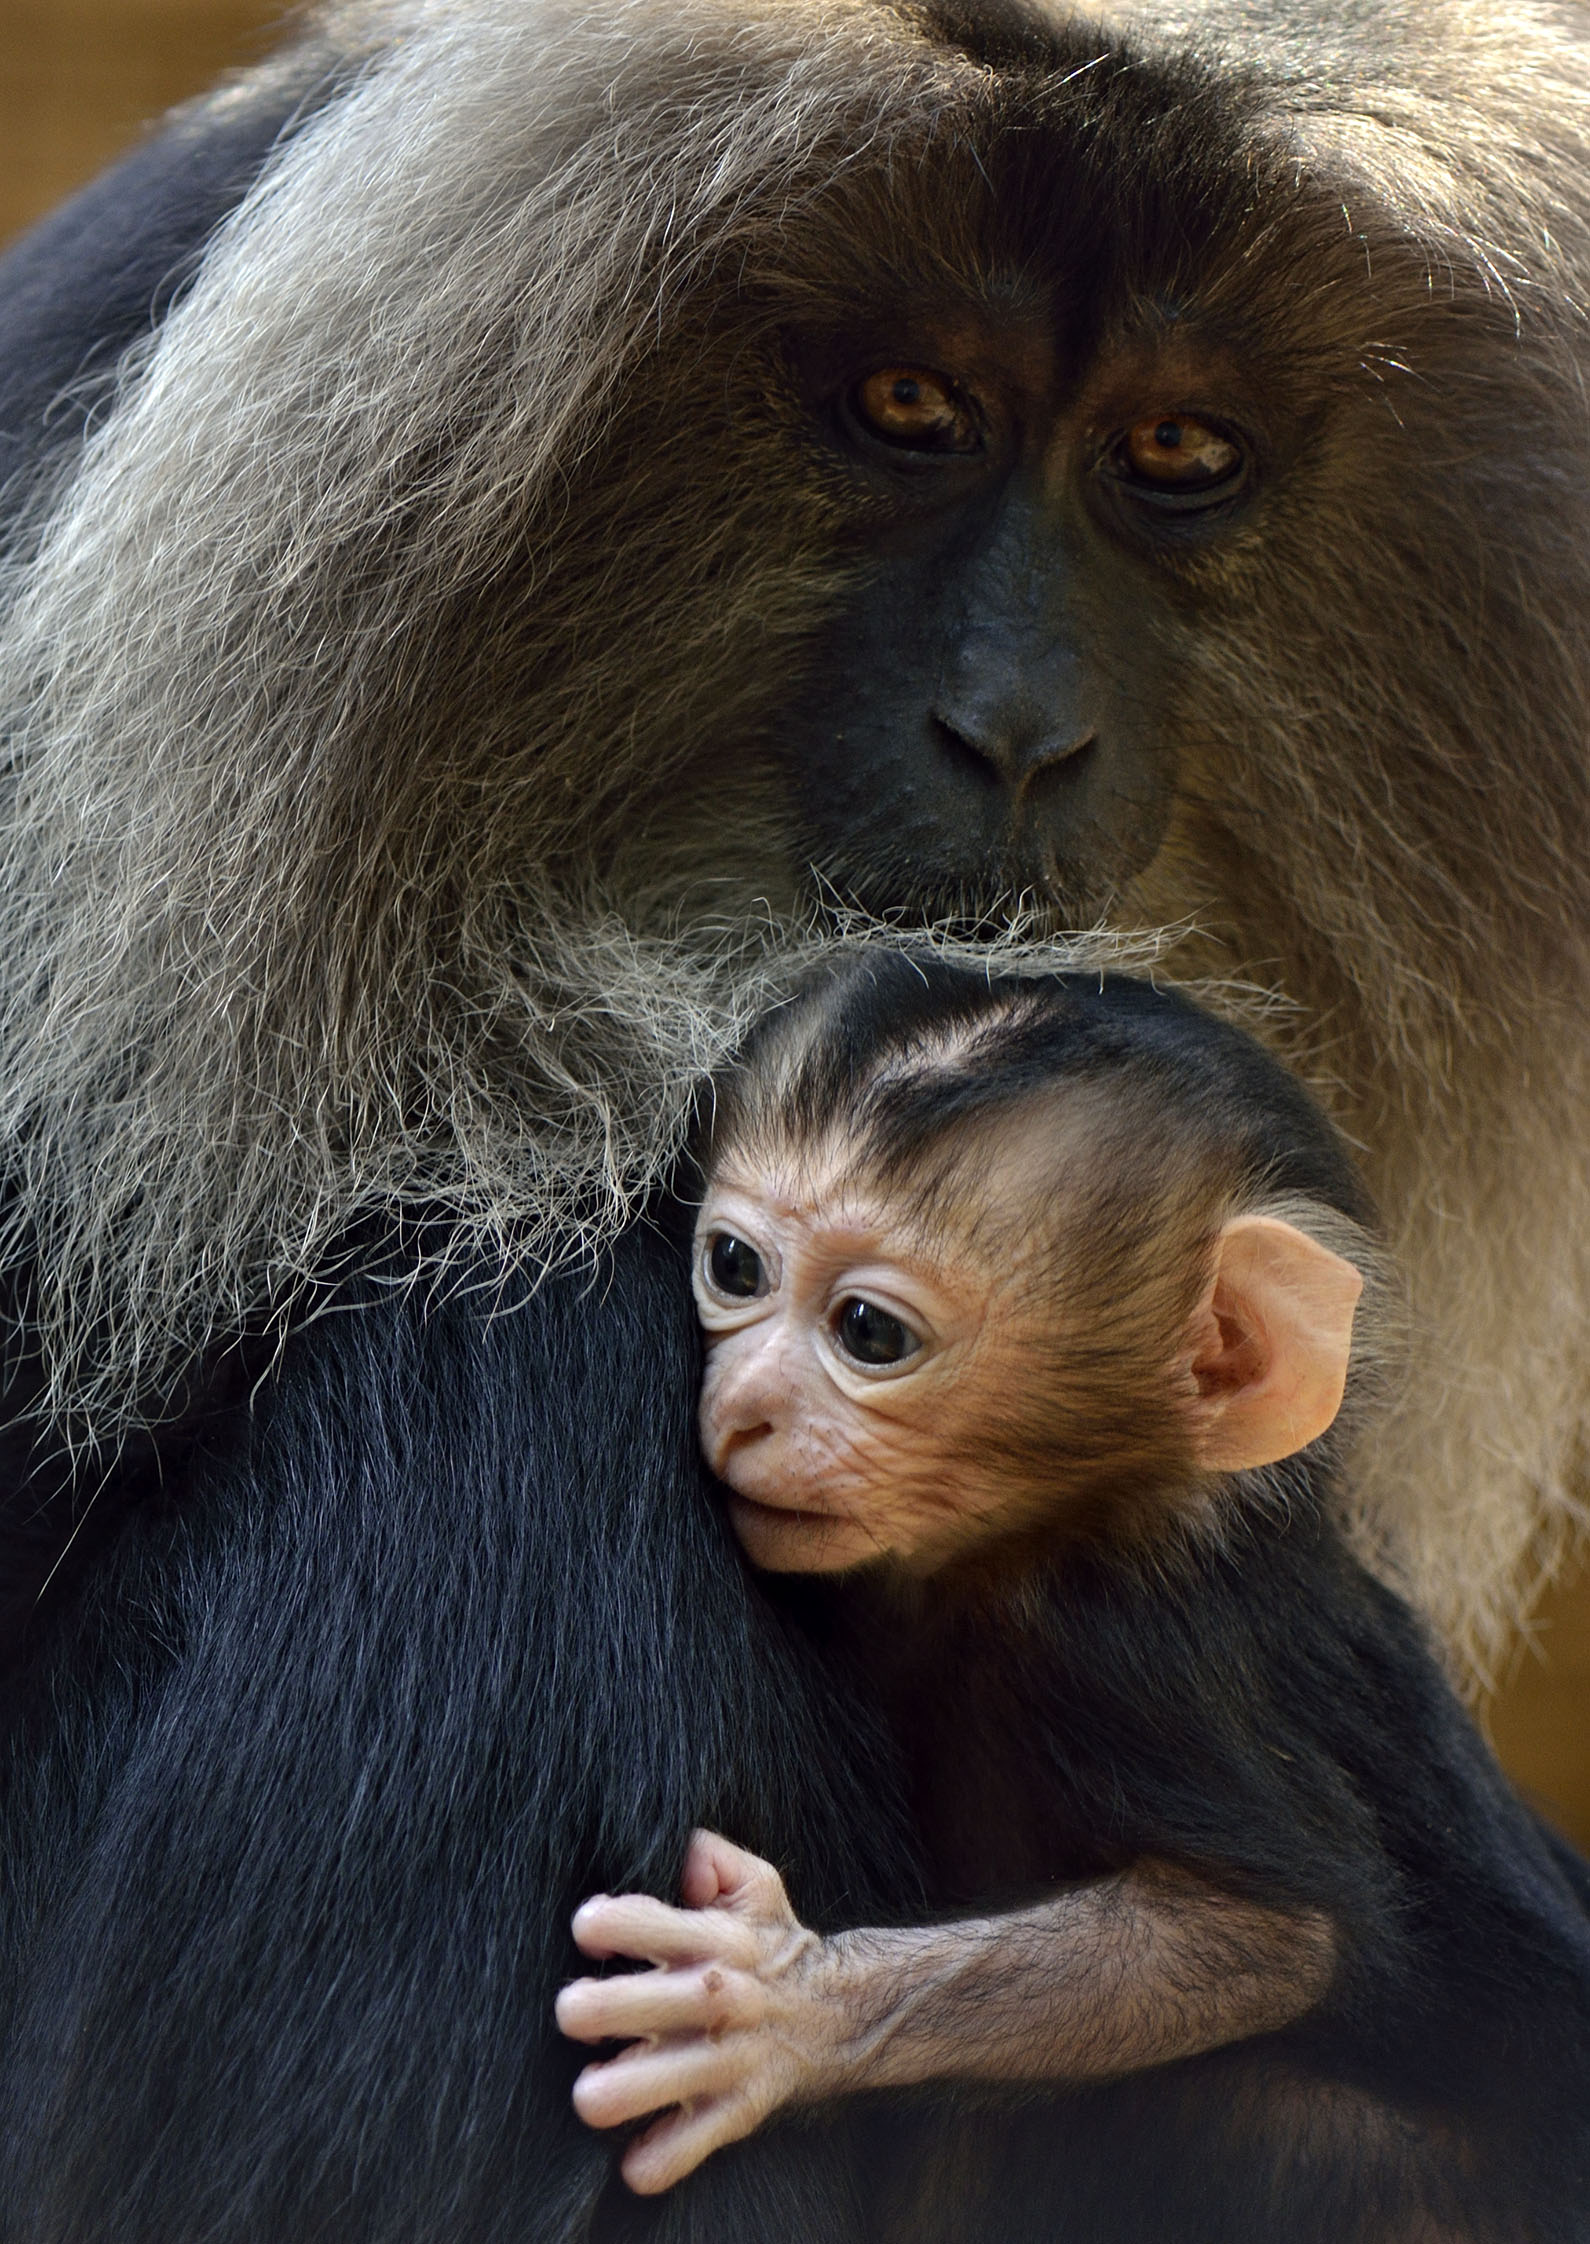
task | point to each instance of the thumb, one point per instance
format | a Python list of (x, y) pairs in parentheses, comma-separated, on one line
[(718, 1873)]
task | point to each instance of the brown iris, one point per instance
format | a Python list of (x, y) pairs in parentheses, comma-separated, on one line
[(923, 411), (1178, 451)]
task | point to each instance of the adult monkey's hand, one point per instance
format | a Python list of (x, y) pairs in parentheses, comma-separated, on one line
[(742, 2012), (746, 2011)]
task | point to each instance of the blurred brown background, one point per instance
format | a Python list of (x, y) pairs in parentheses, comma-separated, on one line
[(78, 79)]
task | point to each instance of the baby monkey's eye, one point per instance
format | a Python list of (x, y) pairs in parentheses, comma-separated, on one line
[(869, 1335), (733, 1268)]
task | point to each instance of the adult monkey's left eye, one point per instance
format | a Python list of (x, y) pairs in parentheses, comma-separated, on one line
[(869, 1335), (1177, 452), (917, 410)]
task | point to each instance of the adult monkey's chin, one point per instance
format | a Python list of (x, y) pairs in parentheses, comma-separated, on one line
[(1037, 902)]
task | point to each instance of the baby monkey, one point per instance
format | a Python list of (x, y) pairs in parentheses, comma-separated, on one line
[(1018, 1296)]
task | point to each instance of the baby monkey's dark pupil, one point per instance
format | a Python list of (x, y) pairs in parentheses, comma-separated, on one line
[(735, 1268), (872, 1336)]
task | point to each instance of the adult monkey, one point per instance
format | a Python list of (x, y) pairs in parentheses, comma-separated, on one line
[(602, 468)]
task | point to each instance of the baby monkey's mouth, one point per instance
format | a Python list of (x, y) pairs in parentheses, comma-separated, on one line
[(795, 1539), (799, 1512)]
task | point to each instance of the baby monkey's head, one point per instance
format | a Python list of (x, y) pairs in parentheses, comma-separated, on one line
[(984, 1263)]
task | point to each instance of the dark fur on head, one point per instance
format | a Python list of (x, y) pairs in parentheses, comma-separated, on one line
[(1152, 1125)]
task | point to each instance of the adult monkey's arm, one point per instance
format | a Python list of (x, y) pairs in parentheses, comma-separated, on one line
[(747, 2010)]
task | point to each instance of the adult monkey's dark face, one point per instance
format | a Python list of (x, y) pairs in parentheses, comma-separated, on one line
[(988, 716), (1040, 458)]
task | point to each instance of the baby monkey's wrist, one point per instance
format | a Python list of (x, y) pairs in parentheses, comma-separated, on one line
[(880, 1993)]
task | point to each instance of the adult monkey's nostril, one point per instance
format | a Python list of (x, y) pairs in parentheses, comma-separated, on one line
[(970, 753), (1009, 747)]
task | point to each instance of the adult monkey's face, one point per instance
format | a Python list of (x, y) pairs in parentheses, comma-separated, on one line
[(994, 711), (1068, 442)]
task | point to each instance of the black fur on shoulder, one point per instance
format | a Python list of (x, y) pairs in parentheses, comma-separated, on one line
[(423, 1659)]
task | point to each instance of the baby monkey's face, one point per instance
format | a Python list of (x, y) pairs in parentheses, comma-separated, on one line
[(876, 1384), (853, 1363)]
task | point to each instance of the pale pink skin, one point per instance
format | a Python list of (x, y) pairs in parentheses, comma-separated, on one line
[(745, 2010), (830, 1464)]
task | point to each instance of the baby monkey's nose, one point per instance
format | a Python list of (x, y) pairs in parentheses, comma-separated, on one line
[(739, 1405), (733, 1442)]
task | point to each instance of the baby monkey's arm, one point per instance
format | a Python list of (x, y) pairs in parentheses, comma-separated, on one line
[(745, 2010)]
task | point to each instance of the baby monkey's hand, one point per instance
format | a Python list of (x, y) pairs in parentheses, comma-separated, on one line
[(735, 2019), (747, 2011)]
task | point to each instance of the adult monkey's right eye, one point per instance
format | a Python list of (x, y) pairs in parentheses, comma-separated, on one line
[(917, 410), (733, 1268)]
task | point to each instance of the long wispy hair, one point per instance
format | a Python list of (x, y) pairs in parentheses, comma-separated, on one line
[(384, 823)]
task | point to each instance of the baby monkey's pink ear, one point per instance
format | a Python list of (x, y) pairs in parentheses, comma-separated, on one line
[(1266, 1349)]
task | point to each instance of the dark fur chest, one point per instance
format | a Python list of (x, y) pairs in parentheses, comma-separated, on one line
[(975, 1705)]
